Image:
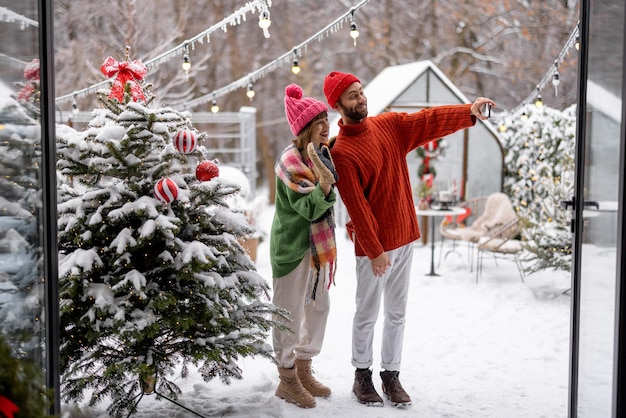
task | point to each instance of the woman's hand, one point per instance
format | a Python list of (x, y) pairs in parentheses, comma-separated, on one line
[(323, 162)]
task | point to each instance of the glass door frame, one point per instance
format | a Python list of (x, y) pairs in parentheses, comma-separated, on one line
[(619, 369), (619, 373), (49, 197)]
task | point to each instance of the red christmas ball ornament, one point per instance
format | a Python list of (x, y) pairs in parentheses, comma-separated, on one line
[(207, 170), (185, 141), (166, 190)]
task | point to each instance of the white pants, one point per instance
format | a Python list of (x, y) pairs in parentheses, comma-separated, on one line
[(369, 292), (308, 321)]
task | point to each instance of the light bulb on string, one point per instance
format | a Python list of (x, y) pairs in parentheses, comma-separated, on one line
[(354, 31), (577, 44), (75, 109), (524, 116), (265, 22), (295, 68), (186, 63), (555, 82), (502, 127), (250, 92), (214, 107), (539, 100)]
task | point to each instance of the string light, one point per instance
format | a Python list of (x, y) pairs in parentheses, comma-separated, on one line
[(250, 92), (553, 69), (539, 101), (214, 107), (556, 81), (186, 63), (295, 68), (354, 31), (285, 58), (524, 116), (233, 19), (75, 109), (264, 21)]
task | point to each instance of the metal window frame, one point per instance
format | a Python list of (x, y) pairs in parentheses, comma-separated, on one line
[(49, 204), (619, 370)]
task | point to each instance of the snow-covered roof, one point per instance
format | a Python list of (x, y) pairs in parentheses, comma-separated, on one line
[(393, 81), (604, 101)]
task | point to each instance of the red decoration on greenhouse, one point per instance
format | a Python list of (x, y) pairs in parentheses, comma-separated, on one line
[(185, 141), (166, 190), (127, 72), (207, 170)]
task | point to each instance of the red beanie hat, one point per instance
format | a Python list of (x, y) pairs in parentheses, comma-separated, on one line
[(335, 84), (300, 111)]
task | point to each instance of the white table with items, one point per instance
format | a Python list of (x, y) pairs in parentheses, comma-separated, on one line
[(434, 212)]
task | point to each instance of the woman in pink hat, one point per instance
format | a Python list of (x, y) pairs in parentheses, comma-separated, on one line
[(302, 247)]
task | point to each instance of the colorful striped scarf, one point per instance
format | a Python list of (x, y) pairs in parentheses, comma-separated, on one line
[(299, 177)]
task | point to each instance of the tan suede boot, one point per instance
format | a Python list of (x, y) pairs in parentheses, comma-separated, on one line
[(290, 389), (311, 384)]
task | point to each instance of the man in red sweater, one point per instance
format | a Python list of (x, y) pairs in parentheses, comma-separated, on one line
[(370, 159)]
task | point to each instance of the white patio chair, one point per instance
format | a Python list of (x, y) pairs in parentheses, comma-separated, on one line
[(501, 242), (449, 224), (497, 211)]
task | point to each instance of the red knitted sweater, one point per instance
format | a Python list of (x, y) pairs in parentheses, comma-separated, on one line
[(370, 158)]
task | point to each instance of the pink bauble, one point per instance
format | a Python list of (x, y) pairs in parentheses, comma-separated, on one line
[(207, 170), (166, 190), (185, 141)]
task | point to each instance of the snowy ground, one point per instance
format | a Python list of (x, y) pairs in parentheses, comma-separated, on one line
[(496, 348)]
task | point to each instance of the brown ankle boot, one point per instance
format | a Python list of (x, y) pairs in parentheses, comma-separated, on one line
[(290, 389), (315, 388), (393, 389), (363, 388)]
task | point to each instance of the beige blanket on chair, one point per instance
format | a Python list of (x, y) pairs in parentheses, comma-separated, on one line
[(498, 210)]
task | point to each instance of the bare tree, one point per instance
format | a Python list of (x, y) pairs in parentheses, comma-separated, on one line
[(495, 48)]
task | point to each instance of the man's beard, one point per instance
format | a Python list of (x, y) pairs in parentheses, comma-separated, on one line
[(355, 114)]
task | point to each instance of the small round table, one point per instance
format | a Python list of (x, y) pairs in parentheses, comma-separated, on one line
[(433, 213)]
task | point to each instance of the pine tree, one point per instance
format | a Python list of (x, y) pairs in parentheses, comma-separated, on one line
[(22, 384), (539, 175), (21, 288), (146, 286)]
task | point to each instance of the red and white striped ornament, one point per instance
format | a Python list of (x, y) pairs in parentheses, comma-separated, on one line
[(166, 190), (185, 141)]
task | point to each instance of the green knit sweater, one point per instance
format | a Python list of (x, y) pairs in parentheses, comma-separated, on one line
[(370, 158), (289, 237)]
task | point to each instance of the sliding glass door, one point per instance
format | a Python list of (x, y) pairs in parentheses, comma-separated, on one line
[(597, 210)]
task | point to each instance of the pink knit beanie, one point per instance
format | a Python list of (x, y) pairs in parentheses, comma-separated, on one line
[(300, 111), (335, 84)]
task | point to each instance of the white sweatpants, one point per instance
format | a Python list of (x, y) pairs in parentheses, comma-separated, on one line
[(308, 321), (393, 286)]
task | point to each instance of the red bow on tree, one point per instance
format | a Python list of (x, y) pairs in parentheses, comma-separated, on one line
[(127, 72), (7, 408), (31, 72)]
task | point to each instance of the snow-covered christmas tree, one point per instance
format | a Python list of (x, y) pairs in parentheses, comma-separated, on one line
[(21, 288), (153, 279), (539, 175)]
